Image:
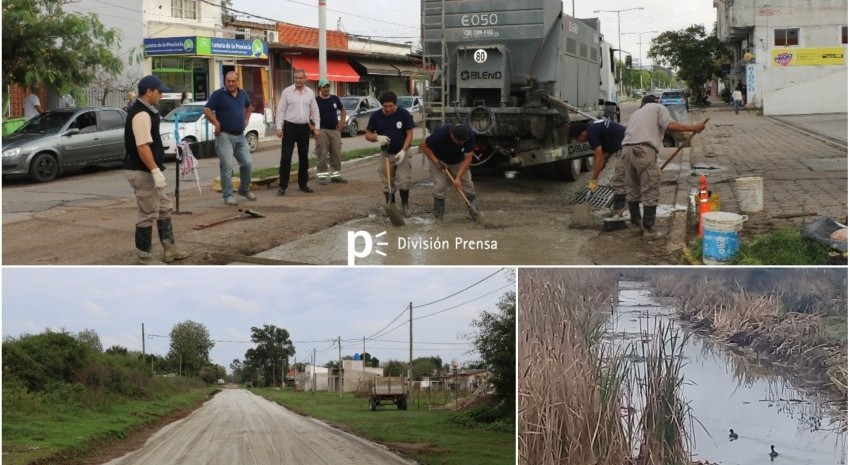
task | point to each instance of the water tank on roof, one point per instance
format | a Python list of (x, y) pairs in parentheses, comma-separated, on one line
[(356, 356)]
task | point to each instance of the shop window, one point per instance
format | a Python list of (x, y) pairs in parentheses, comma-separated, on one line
[(844, 35), (184, 9), (786, 37)]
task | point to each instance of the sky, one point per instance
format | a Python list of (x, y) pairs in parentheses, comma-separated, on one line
[(316, 305), (398, 20)]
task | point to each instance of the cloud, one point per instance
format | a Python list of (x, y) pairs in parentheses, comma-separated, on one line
[(94, 309)]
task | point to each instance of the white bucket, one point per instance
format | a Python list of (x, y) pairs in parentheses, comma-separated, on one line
[(721, 236), (750, 194)]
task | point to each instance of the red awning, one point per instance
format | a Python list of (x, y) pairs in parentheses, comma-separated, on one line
[(338, 69)]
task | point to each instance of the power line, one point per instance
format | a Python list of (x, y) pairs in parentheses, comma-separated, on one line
[(462, 290), (463, 303), (391, 322)]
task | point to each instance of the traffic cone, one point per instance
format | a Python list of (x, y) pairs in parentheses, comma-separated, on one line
[(704, 201)]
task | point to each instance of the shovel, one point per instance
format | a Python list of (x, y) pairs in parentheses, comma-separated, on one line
[(396, 218), (247, 213), (476, 215)]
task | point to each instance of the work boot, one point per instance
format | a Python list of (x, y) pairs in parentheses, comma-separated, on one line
[(439, 208), (389, 198), (144, 235), (166, 237), (635, 218), (649, 223), (617, 205), (473, 207), (405, 202)]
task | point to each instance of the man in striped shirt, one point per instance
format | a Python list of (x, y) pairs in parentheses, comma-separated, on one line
[(297, 118)]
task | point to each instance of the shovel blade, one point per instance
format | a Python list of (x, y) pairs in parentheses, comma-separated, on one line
[(396, 218)]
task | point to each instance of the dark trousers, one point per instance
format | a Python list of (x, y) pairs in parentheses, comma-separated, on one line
[(294, 134)]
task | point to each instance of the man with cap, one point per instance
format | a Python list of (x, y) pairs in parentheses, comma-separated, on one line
[(605, 138), (392, 128), (641, 145), (143, 165), (329, 140), (451, 146), (297, 118), (229, 110)]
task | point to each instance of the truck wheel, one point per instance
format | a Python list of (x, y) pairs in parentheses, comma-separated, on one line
[(402, 403), (373, 406), (565, 170)]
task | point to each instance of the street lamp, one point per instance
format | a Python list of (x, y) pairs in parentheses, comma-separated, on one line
[(640, 51), (619, 38)]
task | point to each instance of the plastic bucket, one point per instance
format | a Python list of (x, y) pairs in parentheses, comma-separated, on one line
[(721, 236), (750, 194)]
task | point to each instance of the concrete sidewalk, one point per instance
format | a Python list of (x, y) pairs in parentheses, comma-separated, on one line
[(803, 176)]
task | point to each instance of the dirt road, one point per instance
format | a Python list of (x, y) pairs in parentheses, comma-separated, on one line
[(237, 426)]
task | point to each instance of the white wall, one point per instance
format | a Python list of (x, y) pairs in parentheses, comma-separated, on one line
[(368, 46), (818, 94)]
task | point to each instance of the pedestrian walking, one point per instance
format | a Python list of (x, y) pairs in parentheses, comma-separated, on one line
[(131, 99), (737, 98), (606, 140), (297, 118), (143, 165), (229, 109), (641, 145), (451, 147), (329, 141), (32, 105), (67, 101), (392, 128)]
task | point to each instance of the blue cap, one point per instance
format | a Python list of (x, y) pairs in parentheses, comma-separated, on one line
[(151, 82)]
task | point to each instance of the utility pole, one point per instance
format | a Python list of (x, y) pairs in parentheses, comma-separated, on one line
[(619, 39), (313, 375), (339, 367), (640, 53), (410, 345), (143, 344), (363, 370), (323, 40)]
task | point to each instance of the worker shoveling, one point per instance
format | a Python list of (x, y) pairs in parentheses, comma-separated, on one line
[(450, 148), (247, 213)]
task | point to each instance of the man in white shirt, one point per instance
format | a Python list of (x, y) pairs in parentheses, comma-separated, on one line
[(32, 105), (297, 118)]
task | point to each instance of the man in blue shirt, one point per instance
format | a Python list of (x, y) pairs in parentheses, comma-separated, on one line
[(229, 109), (329, 141), (606, 140), (451, 146), (392, 127)]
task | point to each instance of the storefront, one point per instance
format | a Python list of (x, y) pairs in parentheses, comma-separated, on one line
[(196, 66)]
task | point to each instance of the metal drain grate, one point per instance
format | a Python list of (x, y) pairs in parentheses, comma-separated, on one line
[(600, 199)]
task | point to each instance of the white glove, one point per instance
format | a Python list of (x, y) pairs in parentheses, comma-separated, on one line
[(383, 140), (399, 157), (158, 178)]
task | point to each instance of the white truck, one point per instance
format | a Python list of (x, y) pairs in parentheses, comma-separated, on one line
[(192, 126)]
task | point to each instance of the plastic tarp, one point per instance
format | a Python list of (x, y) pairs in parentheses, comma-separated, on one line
[(820, 229)]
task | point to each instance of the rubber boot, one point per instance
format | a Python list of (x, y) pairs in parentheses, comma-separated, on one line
[(389, 198), (439, 208), (649, 223), (405, 202), (166, 238), (617, 205), (144, 236), (473, 206), (635, 218)]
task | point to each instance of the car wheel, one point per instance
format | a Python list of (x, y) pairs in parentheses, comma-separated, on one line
[(44, 168), (253, 141), (353, 130)]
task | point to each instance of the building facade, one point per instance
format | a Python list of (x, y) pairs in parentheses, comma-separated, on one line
[(798, 54)]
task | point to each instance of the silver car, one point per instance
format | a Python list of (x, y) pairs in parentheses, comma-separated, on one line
[(414, 106), (358, 110), (56, 141)]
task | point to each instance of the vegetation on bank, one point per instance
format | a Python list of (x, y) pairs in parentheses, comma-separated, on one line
[(430, 436), (63, 398)]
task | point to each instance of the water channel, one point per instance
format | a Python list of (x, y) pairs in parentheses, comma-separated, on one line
[(728, 390)]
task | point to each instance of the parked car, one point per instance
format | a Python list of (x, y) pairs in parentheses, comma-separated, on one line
[(414, 106), (221, 382), (674, 97), (55, 141), (357, 113), (193, 126)]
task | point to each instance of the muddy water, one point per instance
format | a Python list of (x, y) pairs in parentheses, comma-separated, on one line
[(727, 390)]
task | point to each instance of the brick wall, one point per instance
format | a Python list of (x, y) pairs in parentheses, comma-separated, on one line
[(17, 94)]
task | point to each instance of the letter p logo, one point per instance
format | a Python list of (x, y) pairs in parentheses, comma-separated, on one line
[(354, 253)]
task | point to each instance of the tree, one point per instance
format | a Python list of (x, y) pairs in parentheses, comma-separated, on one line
[(89, 338), (695, 55), (43, 45), (270, 358), (374, 363), (190, 346), (395, 368), (426, 366), (495, 340)]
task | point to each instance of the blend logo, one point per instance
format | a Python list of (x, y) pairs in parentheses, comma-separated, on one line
[(361, 244)]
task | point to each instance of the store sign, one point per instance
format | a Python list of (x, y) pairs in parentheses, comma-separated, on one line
[(207, 46), (824, 56)]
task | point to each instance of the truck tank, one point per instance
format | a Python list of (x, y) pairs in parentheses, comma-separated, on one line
[(506, 69)]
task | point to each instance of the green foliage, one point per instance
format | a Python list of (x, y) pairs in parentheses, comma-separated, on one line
[(426, 366), (783, 247), (43, 45), (395, 368), (43, 359), (495, 340), (88, 338), (696, 55), (270, 358), (487, 417), (190, 347)]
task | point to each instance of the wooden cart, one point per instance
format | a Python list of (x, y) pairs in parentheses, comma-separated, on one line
[(388, 391)]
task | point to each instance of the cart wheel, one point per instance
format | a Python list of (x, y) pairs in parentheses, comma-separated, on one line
[(373, 405), (402, 403)]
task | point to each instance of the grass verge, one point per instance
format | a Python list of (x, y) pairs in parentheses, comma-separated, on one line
[(783, 247), (428, 436), (67, 434)]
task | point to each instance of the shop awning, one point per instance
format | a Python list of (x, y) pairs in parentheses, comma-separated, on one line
[(338, 69), (375, 68)]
